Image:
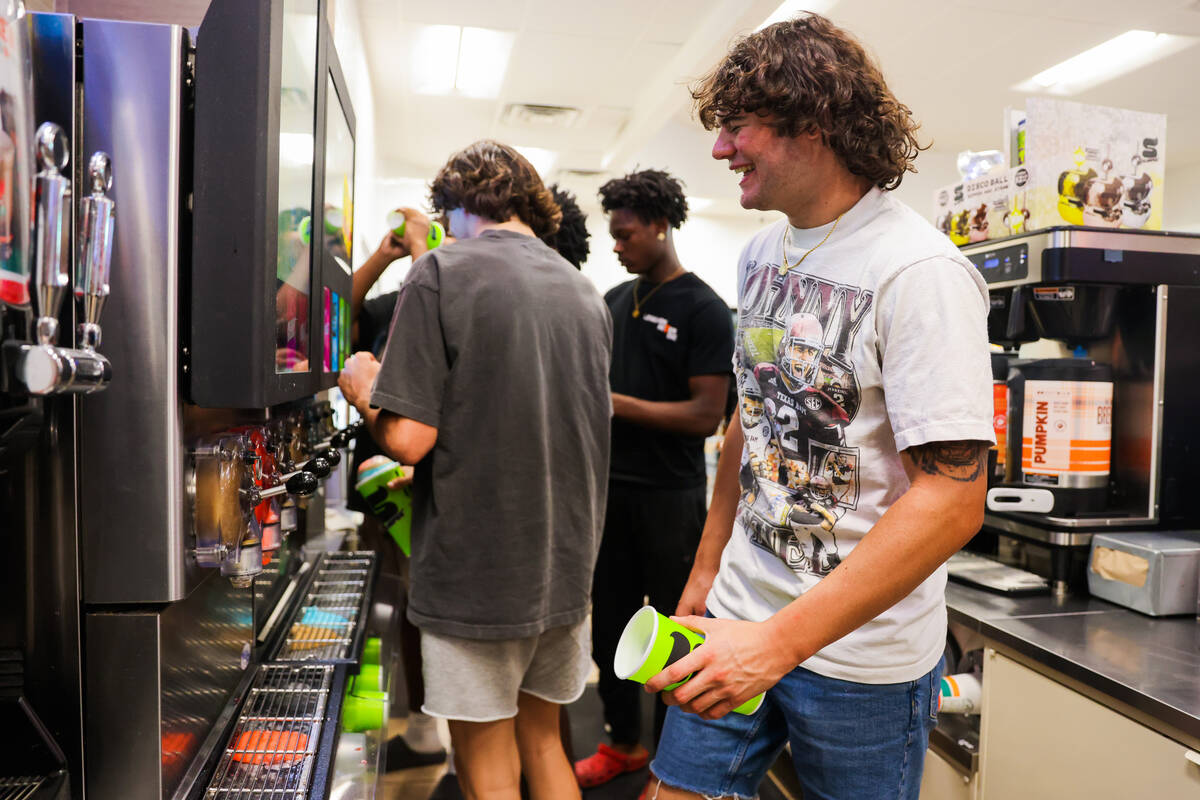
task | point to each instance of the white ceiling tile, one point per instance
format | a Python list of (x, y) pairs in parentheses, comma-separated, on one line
[(672, 21), (611, 19), (952, 61), (508, 15)]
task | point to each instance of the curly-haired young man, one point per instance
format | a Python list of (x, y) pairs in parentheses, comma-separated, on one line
[(493, 385), (862, 370), (672, 341)]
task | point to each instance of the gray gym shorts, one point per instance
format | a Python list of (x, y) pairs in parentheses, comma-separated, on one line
[(477, 680)]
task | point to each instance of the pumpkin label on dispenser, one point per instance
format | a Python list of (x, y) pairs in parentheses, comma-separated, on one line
[(1067, 428)]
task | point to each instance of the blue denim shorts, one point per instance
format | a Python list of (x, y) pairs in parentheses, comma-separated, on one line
[(849, 741)]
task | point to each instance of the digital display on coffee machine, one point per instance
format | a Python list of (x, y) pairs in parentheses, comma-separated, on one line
[(1002, 264)]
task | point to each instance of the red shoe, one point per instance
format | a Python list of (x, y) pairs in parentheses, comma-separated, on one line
[(606, 764)]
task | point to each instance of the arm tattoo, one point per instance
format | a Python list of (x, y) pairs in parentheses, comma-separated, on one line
[(960, 461)]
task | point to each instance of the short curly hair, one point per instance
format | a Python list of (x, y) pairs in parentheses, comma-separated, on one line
[(494, 181), (650, 193), (808, 73), (571, 238)]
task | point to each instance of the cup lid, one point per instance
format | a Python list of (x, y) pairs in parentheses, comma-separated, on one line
[(375, 471)]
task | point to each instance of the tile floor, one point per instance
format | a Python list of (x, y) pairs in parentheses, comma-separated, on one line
[(586, 729)]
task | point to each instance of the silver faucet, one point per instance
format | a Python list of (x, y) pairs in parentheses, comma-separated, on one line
[(45, 368)]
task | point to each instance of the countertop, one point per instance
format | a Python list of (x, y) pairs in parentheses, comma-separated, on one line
[(1149, 663)]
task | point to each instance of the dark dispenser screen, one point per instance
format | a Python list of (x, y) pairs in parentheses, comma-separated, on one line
[(261, 282), (339, 227), (1003, 263), (297, 118)]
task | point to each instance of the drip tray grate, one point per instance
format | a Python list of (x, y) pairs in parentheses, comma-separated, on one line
[(19, 788), (323, 627), (272, 750)]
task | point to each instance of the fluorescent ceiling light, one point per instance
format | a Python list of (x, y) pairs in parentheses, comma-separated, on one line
[(472, 61), (295, 149), (482, 61), (435, 59), (790, 8), (698, 203), (1123, 54), (542, 159)]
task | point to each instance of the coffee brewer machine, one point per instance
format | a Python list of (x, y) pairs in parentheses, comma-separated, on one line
[(158, 486), (1101, 440)]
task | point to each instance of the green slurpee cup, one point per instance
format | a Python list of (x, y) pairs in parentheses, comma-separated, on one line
[(436, 235), (652, 642), (370, 676), (363, 710), (372, 650), (392, 506)]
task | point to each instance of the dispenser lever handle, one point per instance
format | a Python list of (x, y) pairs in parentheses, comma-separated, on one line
[(301, 484), (50, 270), (97, 215)]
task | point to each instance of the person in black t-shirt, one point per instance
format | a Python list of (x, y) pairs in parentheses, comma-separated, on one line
[(672, 351)]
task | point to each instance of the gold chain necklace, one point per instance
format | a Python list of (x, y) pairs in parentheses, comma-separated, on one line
[(637, 304), (787, 236)]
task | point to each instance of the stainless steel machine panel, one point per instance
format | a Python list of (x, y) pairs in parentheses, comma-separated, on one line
[(1022, 259), (156, 683), (133, 504), (49, 571)]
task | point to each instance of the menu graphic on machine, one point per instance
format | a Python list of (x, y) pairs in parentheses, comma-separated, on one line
[(988, 573)]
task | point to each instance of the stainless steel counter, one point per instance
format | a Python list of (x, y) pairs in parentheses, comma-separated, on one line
[(1151, 664)]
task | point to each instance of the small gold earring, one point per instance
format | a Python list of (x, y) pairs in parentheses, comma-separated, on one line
[(662, 237)]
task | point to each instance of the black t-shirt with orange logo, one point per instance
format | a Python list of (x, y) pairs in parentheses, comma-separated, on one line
[(683, 330)]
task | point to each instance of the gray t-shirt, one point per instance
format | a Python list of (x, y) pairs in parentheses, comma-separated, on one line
[(504, 347)]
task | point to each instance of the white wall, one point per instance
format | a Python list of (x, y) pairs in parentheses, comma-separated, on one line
[(347, 39), (1181, 198), (707, 246)]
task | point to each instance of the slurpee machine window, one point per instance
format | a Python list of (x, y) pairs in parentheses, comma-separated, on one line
[(339, 225), (297, 121)]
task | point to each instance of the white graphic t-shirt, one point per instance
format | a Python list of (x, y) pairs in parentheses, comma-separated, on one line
[(876, 343)]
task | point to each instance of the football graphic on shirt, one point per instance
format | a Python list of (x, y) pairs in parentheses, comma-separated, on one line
[(797, 395)]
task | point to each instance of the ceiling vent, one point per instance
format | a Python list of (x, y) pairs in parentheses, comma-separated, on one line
[(533, 115)]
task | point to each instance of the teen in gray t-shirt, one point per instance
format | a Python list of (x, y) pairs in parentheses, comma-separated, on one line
[(504, 347), (495, 384)]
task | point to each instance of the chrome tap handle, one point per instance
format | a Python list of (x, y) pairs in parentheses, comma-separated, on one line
[(45, 369), (96, 219), (301, 484), (50, 270)]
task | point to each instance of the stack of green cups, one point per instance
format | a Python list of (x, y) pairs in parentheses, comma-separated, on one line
[(652, 642), (371, 676), (372, 650), (364, 708)]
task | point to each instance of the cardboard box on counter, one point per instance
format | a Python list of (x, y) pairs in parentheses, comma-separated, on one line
[(1093, 165), (981, 209), (1084, 165)]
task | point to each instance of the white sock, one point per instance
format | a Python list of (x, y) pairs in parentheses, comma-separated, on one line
[(421, 733)]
